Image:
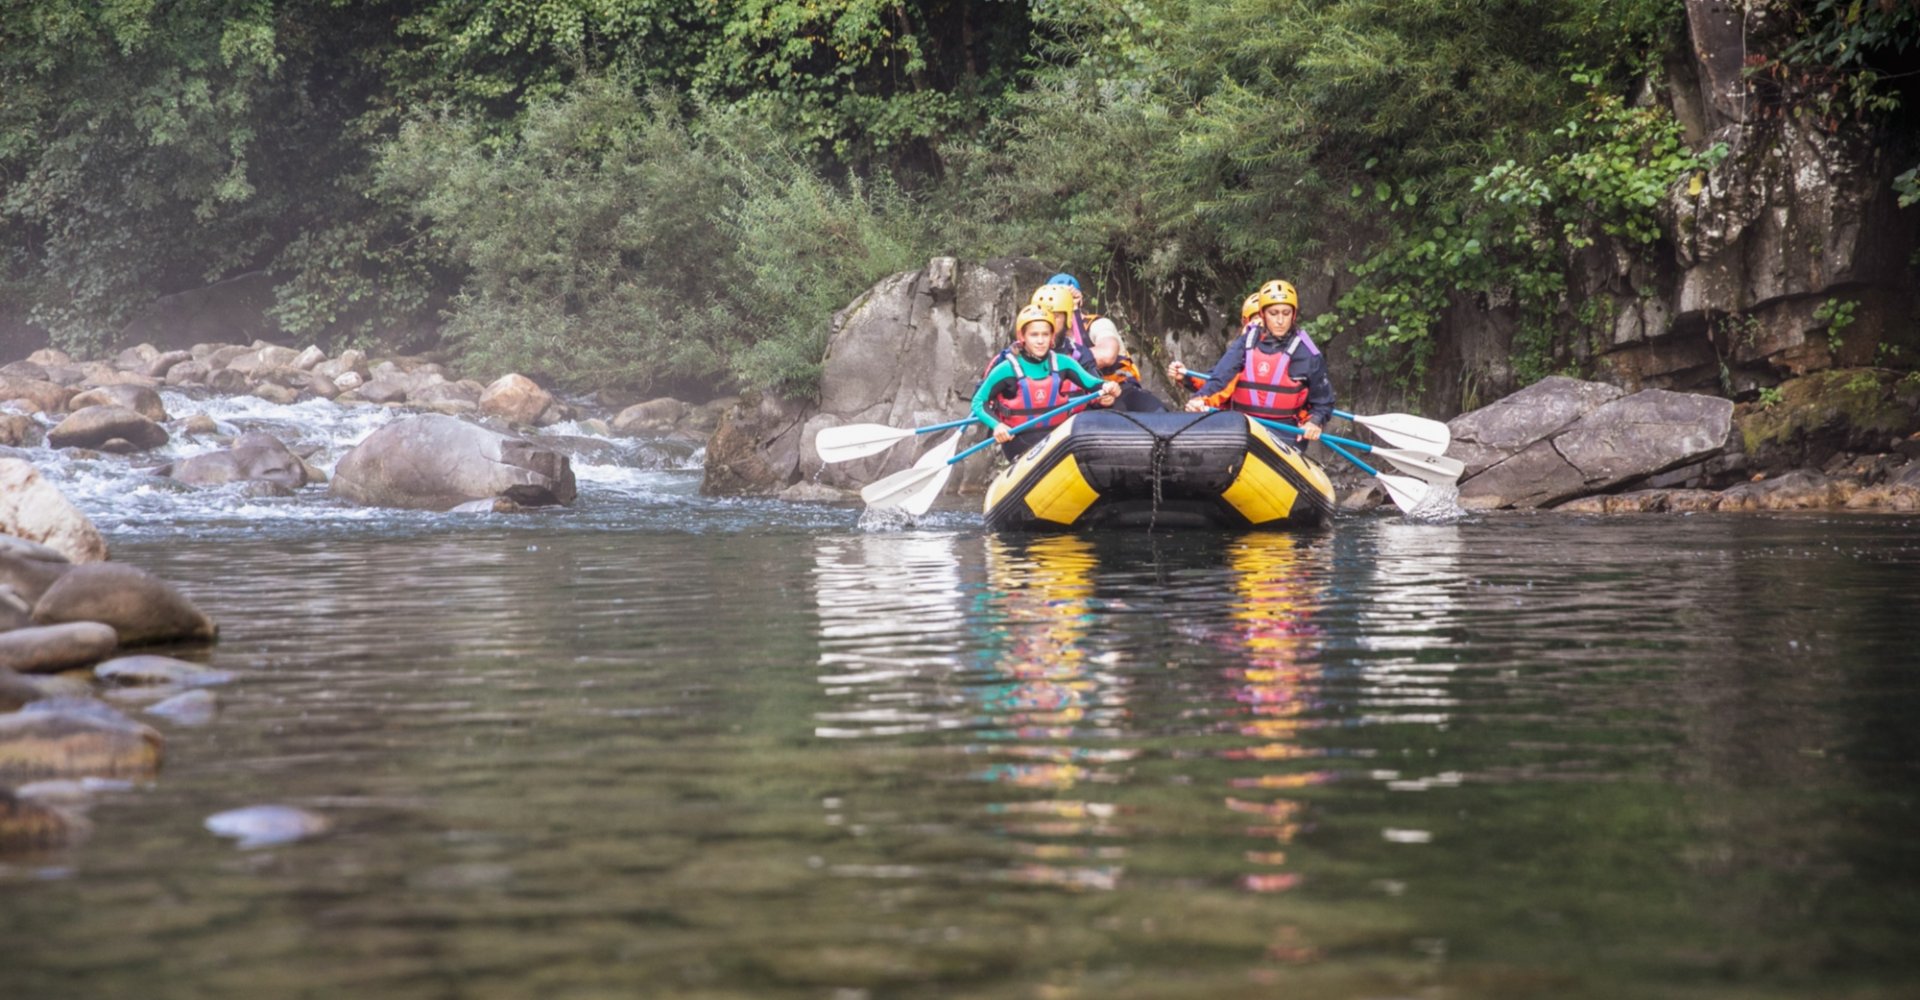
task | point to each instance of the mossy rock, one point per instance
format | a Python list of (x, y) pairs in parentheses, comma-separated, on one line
[(1845, 409)]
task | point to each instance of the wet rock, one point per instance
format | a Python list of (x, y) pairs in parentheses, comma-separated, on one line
[(35, 395), (350, 360), (806, 492), (652, 415), (71, 738), (35, 510), (1812, 419), (27, 570), (275, 393), (147, 669), (137, 398), (136, 358), (223, 355), (349, 381), (27, 824), (229, 382), (383, 390), (1803, 489), (267, 826), (254, 456), (1619, 442), (200, 425), (50, 649), (1900, 492), (1504, 428), (16, 691), (141, 607), (465, 392), (163, 364), (189, 708), (516, 399), (18, 430), (188, 373), (309, 359), (95, 425), (436, 462)]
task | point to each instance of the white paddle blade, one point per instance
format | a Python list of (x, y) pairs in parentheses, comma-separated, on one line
[(844, 444), (1404, 430), (1407, 494), (1432, 468), (914, 490)]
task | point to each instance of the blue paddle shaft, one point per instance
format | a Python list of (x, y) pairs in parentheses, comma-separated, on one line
[(1328, 438), (1034, 422), (1351, 457), (949, 425)]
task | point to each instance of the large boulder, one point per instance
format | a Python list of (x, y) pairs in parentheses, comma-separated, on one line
[(434, 462), (516, 399), (1507, 427), (49, 649), (36, 510), (1620, 442), (96, 426), (18, 430), (65, 738), (37, 395), (254, 456), (141, 607), (908, 352), (138, 398)]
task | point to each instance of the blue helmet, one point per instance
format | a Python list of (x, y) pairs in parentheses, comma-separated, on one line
[(1065, 279)]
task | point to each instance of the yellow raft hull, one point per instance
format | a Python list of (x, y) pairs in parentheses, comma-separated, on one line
[(1162, 470)]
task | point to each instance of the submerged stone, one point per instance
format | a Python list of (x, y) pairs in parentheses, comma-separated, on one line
[(267, 826)]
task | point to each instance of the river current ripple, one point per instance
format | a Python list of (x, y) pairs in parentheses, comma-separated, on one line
[(660, 745)]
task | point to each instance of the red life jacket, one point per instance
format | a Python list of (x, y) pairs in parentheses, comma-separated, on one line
[(1265, 389), (1030, 397)]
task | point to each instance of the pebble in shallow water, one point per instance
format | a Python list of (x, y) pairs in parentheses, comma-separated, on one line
[(267, 826)]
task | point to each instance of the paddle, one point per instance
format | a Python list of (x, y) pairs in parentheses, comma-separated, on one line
[(846, 443), (1436, 469), (1404, 430), (1408, 494), (914, 490)]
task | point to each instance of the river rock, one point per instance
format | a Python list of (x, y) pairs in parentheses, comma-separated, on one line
[(465, 394), (141, 607), (1504, 428), (267, 826), (147, 669), (35, 395), (188, 708), (137, 398), (15, 610), (94, 426), (17, 691), (35, 510), (50, 649), (188, 373), (434, 462), (350, 360), (515, 398), (135, 358), (50, 356), (254, 456), (1619, 442), (652, 415), (72, 738), (308, 359), (907, 352), (163, 364), (1802, 489), (349, 381), (384, 390), (29, 825), (1901, 492), (18, 430)]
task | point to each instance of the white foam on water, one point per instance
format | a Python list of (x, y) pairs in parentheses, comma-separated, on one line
[(1441, 505)]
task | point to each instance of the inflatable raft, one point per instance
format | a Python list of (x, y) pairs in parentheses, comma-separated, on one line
[(1201, 470)]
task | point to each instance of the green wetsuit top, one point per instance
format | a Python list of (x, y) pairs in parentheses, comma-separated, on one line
[(1016, 366)]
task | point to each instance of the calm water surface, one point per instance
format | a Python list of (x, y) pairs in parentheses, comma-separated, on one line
[(659, 746)]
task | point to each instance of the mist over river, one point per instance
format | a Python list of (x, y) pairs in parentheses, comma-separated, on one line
[(667, 746)]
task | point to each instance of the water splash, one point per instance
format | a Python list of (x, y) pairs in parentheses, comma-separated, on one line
[(1441, 505)]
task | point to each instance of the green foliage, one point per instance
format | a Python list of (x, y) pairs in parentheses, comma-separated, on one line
[(1906, 187), (1770, 397), (1845, 56), (609, 243), (1836, 315)]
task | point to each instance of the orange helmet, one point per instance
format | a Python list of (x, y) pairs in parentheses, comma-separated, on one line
[(1278, 293), (1054, 298), (1028, 315), (1250, 307)]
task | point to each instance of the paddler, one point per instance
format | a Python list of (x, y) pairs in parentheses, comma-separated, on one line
[(1110, 362), (1273, 370), (1030, 381)]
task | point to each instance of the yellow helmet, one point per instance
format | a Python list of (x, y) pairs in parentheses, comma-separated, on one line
[(1278, 293), (1250, 307), (1028, 315), (1054, 298)]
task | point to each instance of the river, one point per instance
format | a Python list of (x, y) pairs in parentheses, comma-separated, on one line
[(665, 746)]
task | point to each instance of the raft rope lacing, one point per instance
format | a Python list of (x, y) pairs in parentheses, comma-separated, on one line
[(1157, 457)]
